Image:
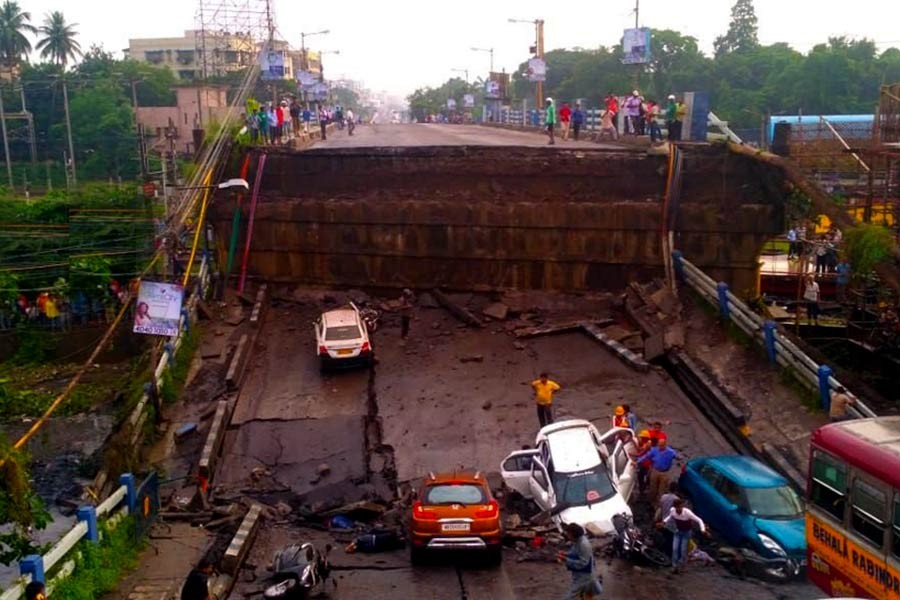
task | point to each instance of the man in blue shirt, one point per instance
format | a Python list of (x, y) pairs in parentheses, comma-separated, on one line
[(793, 249), (661, 460), (843, 278)]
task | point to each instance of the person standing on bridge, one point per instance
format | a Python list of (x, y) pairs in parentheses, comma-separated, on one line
[(407, 300), (295, 116), (633, 113), (577, 120), (307, 117), (544, 388), (550, 119), (811, 296), (565, 119), (323, 120)]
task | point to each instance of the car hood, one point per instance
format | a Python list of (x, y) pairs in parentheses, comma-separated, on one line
[(790, 534), (599, 514)]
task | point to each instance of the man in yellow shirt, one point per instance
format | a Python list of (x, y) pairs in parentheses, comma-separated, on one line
[(543, 396)]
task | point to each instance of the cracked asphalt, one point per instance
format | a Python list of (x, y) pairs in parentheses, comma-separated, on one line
[(437, 413)]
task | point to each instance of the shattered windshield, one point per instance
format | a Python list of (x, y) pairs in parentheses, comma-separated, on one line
[(584, 487)]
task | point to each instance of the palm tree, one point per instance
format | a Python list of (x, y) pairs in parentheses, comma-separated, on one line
[(14, 24), (58, 41)]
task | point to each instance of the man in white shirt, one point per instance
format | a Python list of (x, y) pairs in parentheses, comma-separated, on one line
[(811, 296), (684, 520)]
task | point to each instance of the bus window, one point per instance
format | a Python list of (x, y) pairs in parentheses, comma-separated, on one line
[(869, 509), (895, 546), (829, 484)]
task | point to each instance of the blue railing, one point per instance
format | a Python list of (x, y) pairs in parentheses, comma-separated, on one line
[(779, 348)]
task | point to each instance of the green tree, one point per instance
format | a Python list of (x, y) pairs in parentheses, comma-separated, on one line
[(58, 43), (742, 31), (14, 24)]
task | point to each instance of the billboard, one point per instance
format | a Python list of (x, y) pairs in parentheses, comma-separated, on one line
[(307, 78), (491, 89), (158, 308), (468, 101), (496, 86), (271, 65), (636, 46), (537, 70), (451, 104)]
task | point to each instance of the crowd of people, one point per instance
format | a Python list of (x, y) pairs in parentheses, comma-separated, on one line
[(58, 311), (638, 116), (280, 122)]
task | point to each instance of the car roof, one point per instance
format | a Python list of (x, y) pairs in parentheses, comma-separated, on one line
[(459, 476), (572, 446), (745, 471), (339, 317)]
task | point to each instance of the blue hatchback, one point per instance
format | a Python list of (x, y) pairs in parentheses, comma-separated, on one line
[(748, 504)]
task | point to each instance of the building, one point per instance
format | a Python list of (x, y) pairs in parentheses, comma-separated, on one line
[(172, 127), (195, 56)]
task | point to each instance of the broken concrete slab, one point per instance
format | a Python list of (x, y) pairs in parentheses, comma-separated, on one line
[(426, 300), (559, 327), (496, 310), (654, 346), (241, 542), (674, 336), (665, 301), (238, 362), (471, 358), (629, 357)]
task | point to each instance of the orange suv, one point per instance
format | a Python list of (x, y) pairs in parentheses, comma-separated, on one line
[(456, 511)]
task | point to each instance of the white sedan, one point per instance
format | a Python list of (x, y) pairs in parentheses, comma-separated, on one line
[(576, 474), (342, 338)]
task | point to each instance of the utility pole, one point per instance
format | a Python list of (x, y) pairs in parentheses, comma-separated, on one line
[(539, 46), (30, 119), (637, 12), (69, 131), (6, 143), (142, 148)]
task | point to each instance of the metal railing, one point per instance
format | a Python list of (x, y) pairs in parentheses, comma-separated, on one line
[(779, 348), (35, 567)]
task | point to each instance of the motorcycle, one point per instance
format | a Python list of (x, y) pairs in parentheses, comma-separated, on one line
[(370, 317), (745, 562), (632, 544), (300, 571)]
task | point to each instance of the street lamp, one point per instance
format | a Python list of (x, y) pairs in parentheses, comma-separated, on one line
[(489, 50), (465, 71), (303, 37), (538, 53), (228, 184)]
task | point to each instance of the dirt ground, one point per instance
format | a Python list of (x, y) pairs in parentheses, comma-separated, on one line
[(450, 396)]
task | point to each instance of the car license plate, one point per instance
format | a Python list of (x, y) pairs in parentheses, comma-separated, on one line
[(455, 527), (344, 352)]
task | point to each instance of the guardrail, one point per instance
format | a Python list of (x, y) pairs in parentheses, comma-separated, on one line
[(35, 567), (779, 349), (138, 415)]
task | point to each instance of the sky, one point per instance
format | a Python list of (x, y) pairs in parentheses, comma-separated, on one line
[(401, 45)]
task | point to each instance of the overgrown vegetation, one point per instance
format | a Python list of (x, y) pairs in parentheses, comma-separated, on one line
[(99, 567), (20, 508), (173, 380), (866, 246)]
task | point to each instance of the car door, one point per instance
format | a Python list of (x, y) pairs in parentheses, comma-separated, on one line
[(541, 488), (516, 471), (626, 468), (733, 506), (708, 502)]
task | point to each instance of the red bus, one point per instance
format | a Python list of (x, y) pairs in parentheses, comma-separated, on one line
[(853, 509)]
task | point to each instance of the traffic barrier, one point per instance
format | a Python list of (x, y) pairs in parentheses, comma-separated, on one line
[(59, 561), (779, 348)]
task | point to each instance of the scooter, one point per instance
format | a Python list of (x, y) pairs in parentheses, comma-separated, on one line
[(300, 571), (632, 544)]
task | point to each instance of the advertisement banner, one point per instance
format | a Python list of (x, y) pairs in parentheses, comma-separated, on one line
[(451, 104), (636, 46), (320, 91), (271, 65), (491, 89), (537, 70), (469, 101), (158, 308), (307, 79)]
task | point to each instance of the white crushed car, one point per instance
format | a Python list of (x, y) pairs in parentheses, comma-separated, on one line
[(576, 474)]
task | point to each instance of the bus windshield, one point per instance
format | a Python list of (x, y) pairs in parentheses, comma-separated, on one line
[(774, 502)]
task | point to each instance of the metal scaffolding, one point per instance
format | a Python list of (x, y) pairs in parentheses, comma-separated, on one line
[(228, 33)]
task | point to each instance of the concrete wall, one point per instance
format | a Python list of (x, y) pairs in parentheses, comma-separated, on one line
[(493, 218)]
